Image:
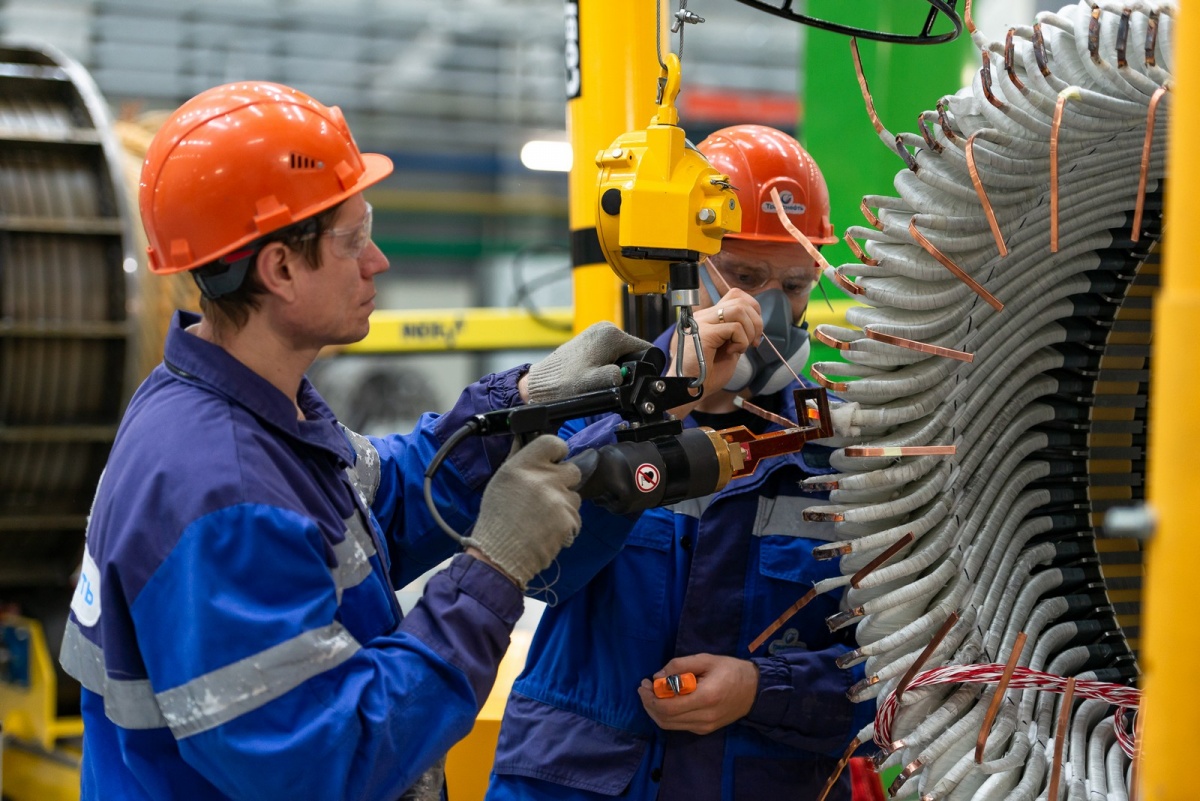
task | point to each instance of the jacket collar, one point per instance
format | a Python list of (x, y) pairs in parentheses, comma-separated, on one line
[(196, 361)]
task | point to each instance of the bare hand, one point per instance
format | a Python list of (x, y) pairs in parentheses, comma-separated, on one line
[(725, 691), (727, 330)]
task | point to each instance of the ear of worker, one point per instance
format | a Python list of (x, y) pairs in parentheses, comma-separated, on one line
[(585, 363)]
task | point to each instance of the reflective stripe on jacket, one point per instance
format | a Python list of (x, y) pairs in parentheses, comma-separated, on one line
[(235, 627)]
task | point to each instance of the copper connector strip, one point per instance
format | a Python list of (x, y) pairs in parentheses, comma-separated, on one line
[(845, 283), (985, 78), (858, 252), (927, 134), (1151, 37), (1039, 49), (910, 160), (834, 386), (797, 234), (837, 770), (862, 84), (1010, 62), (870, 216), (909, 771), (1094, 34), (993, 223), (1001, 688), (779, 621), (958, 272), (920, 347), (945, 123), (825, 339), (1063, 96), (1060, 736), (915, 667), (1144, 176), (742, 403), (970, 23), (1122, 38), (875, 563), (865, 451)]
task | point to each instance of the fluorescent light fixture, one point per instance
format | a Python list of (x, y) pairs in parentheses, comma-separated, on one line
[(542, 154)]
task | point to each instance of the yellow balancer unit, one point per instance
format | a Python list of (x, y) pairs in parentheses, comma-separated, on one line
[(660, 201)]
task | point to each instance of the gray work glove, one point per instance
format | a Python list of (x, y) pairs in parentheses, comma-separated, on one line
[(529, 511), (582, 364)]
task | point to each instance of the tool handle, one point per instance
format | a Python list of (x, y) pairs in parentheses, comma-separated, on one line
[(675, 684)]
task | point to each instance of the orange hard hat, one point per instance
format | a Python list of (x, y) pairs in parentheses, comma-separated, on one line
[(757, 159), (242, 160)]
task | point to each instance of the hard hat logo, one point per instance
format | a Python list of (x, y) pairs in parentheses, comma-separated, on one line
[(242, 160), (758, 159)]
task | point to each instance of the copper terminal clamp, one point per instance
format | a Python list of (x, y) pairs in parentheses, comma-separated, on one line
[(756, 447)]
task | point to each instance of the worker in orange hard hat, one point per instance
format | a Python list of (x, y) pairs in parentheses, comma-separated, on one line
[(698, 582), (235, 626)]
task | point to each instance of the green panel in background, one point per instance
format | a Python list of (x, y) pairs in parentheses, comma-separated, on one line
[(836, 129)]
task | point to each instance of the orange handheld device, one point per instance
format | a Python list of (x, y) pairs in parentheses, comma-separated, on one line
[(675, 684)]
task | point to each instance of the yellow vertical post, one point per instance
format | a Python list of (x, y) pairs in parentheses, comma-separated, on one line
[(612, 75), (1171, 648)]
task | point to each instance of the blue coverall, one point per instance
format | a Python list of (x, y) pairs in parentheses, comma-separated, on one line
[(705, 576), (235, 627)]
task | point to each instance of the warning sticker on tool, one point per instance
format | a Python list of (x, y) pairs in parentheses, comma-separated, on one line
[(647, 477)]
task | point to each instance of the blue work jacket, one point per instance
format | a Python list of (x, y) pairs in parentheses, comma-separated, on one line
[(705, 576), (235, 627)]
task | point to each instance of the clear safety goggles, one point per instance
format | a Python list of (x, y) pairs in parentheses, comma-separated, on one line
[(350, 243), (795, 281)]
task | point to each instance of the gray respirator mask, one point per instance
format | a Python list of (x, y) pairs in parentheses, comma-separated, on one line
[(759, 368)]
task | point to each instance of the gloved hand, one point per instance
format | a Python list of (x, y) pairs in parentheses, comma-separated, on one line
[(582, 364), (529, 511)]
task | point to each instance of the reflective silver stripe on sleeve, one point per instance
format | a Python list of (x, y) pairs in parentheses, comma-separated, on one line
[(129, 703), (365, 473), (353, 555), (224, 694)]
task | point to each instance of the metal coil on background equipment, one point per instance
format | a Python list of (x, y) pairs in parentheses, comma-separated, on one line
[(67, 287)]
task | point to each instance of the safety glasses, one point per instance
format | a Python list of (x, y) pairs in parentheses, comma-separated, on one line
[(350, 243), (795, 281)]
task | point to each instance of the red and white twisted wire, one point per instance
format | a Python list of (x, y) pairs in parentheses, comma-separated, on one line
[(1022, 679)]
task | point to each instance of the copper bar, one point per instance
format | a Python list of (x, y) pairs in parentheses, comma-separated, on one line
[(983, 198), (1001, 688), (779, 621), (915, 667), (845, 283), (1144, 176), (1064, 718), (1009, 61), (862, 84), (1094, 35), (1122, 37), (825, 339), (927, 134), (798, 235), (977, 288), (910, 160), (1039, 49), (920, 347), (858, 251), (837, 771), (834, 386), (985, 78), (763, 413), (871, 218), (945, 123), (892, 550), (1151, 37), (855, 451), (970, 23)]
